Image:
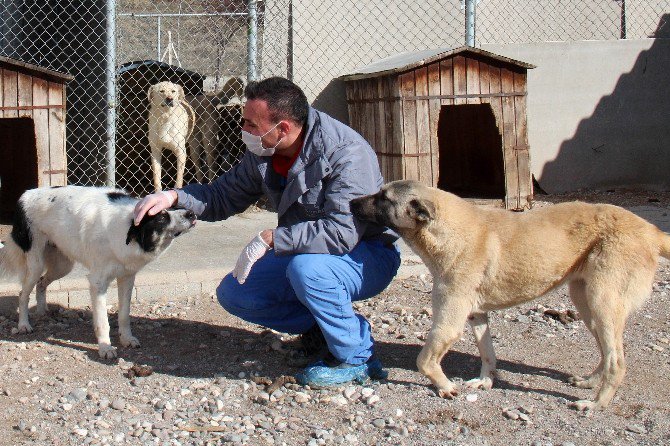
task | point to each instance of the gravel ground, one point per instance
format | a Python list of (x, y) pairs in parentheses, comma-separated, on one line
[(205, 377)]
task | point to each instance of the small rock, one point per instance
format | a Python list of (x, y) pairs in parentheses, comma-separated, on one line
[(511, 414), (78, 395), (349, 392), (340, 400), (301, 397), (379, 423), (81, 432), (523, 319), (367, 391), (636, 428), (471, 397), (372, 399), (118, 404), (526, 409)]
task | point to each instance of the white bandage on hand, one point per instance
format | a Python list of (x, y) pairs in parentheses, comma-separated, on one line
[(249, 255)]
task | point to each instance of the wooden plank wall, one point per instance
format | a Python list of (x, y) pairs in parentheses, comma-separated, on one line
[(522, 148), (22, 90), (374, 117)]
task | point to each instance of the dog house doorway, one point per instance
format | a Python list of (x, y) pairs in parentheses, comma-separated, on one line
[(18, 169), (471, 162)]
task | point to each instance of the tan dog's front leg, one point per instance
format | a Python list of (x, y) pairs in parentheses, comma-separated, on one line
[(449, 314), (480, 327), (156, 156)]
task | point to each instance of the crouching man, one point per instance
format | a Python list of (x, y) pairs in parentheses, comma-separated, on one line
[(302, 276)]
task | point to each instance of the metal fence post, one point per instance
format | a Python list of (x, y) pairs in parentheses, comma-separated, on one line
[(470, 24), (623, 19), (158, 37), (110, 93), (252, 40)]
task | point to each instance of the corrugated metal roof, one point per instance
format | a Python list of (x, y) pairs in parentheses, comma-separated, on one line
[(406, 61)]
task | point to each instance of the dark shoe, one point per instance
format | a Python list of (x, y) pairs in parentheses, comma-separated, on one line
[(312, 341), (324, 373)]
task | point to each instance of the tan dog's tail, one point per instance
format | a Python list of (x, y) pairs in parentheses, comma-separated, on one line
[(191, 121), (664, 244)]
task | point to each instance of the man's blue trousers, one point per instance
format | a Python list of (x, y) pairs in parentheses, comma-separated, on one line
[(292, 293)]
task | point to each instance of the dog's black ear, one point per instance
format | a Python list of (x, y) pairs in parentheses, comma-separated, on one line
[(135, 233), (422, 210)]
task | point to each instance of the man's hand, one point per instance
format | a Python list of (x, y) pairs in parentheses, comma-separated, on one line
[(250, 254), (154, 203)]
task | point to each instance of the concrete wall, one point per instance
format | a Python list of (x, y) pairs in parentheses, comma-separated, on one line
[(598, 112), (336, 37)]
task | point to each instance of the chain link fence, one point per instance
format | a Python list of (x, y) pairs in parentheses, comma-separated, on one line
[(119, 120)]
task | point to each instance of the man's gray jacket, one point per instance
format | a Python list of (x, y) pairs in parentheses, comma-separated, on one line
[(335, 165)]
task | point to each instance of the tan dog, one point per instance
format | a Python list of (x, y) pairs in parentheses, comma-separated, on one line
[(485, 259), (171, 122)]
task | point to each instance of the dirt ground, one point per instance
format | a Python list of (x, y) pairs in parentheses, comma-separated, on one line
[(215, 379)]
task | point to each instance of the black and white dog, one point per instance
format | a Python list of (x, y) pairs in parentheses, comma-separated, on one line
[(55, 227)]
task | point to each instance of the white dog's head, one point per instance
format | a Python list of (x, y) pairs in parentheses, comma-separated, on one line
[(165, 94), (155, 232)]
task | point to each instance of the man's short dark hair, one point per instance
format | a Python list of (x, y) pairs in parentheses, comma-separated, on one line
[(284, 98)]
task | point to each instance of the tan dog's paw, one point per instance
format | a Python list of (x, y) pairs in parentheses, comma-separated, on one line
[(449, 392), (24, 328), (106, 351), (582, 383), (583, 405), (479, 383), (130, 341)]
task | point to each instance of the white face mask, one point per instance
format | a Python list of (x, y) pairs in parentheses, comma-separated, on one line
[(255, 143)]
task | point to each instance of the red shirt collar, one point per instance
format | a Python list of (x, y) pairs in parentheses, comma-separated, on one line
[(282, 164)]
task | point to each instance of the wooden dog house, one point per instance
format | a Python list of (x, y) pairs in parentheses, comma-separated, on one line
[(454, 119), (32, 130)]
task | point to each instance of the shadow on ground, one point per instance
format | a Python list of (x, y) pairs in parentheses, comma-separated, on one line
[(196, 349)]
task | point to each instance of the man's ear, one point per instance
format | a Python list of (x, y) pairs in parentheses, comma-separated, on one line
[(284, 126), (422, 210)]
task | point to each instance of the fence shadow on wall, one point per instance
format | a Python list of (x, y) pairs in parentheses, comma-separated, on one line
[(626, 140)]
